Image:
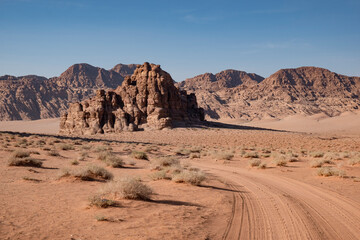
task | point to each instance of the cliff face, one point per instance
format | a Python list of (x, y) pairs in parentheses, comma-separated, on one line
[(33, 97), (304, 90), (147, 99)]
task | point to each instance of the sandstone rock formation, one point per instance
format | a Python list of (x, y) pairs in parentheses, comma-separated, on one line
[(33, 97), (305, 90), (147, 99)]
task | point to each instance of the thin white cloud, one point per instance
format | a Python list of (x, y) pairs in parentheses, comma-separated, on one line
[(192, 18)]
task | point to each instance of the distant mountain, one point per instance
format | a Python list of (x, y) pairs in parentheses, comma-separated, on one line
[(225, 79), (34, 97), (304, 90)]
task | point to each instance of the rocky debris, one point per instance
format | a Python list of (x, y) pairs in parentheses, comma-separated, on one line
[(33, 97), (148, 99), (305, 90)]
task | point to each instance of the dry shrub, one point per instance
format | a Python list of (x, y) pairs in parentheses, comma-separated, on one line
[(103, 148), (66, 147), (262, 165), (128, 188), (330, 171), (21, 154), (187, 176), (74, 162), (53, 153), (24, 161), (223, 155), (255, 162), (101, 202), (158, 175), (316, 163), (110, 159), (354, 161), (281, 162), (139, 155), (195, 155), (88, 173), (251, 155), (317, 154), (182, 151), (160, 163)]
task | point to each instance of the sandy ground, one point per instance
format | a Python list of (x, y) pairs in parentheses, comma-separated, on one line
[(48, 126), (287, 200)]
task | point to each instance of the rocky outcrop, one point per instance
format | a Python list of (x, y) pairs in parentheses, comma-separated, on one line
[(33, 97), (148, 99), (304, 90)]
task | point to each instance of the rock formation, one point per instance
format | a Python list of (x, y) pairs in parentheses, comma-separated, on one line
[(33, 97), (147, 99), (304, 90)]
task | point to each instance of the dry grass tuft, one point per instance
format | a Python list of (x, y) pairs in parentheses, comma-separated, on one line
[(187, 176), (139, 155), (330, 171), (158, 175), (251, 155), (128, 188), (24, 161), (20, 154), (66, 147), (110, 159), (101, 202), (254, 162), (223, 155), (88, 173)]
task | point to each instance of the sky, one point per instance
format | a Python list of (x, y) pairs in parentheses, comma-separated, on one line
[(187, 38)]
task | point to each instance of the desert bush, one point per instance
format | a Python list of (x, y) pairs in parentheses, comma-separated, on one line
[(251, 155), (354, 161), (223, 155), (20, 154), (74, 162), (195, 149), (139, 155), (280, 161), (24, 161), (195, 155), (110, 159), (330, 171), (316, 163), (182, 151), (158, 175), (85, 147), (192, 177), (254, 162), (262, 165), (317, 154), (128, 188), (66, 147), (103, 148), (53, 153), (88, 173), (101, 202)]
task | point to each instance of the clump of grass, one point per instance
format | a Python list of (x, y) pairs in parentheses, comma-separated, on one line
[(101, 202), (251, 155), (160, 163), (31, 179), (139, 155), (74, 162), (262, 165), (21, 154), (223, 155), (195, 149), (88, 173), (183, 151), (195, 155), (53, 153), (24, 161), (110, 159), (103, 148), (128, 188), (255, 162), (354, 161), (316, 163), (66, 147), (281, 162), (317, 154), (330, 171), (187, 176), (158, 175), (101, 218)]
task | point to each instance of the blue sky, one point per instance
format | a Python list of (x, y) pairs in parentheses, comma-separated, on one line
[(187, 38)]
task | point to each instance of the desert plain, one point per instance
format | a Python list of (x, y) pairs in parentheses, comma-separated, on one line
[(217, 181)]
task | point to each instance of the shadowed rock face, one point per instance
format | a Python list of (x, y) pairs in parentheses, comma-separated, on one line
[(147, 99)]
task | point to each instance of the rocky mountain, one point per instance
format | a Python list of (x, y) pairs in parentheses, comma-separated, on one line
[(147, 99), (224, 79), (34, 97), (305, 90)]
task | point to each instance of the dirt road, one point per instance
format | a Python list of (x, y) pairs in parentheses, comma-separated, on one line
[(272, 207)]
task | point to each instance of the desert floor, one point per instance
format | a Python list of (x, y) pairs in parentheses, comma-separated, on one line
[(260, 184)]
